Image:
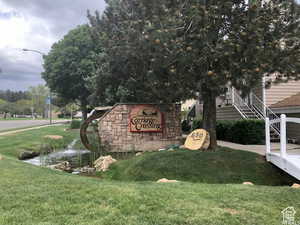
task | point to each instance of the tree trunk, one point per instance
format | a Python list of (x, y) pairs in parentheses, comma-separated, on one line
[(210, 117)]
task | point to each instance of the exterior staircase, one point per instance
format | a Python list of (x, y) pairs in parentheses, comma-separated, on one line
[(251, 107), (254, 108)]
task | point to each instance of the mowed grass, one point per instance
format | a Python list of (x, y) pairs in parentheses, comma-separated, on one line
[(31, 195), (220, 167), (32, 140)]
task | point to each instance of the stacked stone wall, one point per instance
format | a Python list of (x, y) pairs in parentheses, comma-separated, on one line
[(115, 133)]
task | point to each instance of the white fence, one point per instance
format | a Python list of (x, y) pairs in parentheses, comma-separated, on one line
[(283, 160)]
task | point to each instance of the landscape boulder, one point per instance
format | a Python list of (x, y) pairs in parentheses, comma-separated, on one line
[(248, 183), (103, 163), (28, 155), (54, 137), (87, 169), (295, 185), (1, 157), (197, 140), (63, 166), (165, 180)]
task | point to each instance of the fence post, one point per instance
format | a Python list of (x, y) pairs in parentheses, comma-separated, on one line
[(268, 139), (283, 135)]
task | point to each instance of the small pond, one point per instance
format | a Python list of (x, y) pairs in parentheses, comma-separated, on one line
[(76, 158)]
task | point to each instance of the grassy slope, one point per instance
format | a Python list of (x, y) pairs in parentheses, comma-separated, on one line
[(30, 195), (13, 144), (222, 166)]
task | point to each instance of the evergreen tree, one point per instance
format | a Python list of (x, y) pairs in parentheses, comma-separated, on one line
[(171, 50)]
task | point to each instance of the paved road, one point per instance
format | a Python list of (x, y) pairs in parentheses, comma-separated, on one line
[(15, 124)]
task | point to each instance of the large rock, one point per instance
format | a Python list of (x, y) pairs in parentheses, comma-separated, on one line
[(103, 163), (1, 157), (63, 166), (165, 180), (28, 155), (248, 183), (198, 139), (54, 137), (295, 186), (87, 169)]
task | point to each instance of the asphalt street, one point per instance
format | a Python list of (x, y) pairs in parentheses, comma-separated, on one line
[(16, 124)]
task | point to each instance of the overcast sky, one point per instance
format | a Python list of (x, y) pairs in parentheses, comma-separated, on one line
[(35, 24)]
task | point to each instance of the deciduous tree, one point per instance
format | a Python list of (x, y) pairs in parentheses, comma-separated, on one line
[(69, 63)]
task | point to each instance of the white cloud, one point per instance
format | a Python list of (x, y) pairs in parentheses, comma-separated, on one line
[(34, 25)]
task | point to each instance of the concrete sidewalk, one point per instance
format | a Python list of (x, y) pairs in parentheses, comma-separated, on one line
[(260, 149)]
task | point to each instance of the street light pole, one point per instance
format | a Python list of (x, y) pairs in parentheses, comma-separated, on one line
[(50, 107)]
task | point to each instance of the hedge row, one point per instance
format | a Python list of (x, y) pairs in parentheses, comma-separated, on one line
[(238, 131)]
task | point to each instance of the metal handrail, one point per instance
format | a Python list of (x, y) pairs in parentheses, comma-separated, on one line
[(238, 102), (267, 112), (265, 106)]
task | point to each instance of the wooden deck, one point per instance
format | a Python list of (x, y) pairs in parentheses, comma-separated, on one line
[(289, 162)]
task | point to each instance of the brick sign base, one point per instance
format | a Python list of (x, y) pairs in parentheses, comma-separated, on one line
[(116, 131)]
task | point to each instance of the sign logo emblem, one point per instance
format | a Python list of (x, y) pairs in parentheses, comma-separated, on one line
[(146, 118), (288, 216)]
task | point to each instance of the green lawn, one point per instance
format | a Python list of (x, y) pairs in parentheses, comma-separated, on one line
[(32, 140), (223, 166), (32, 195), (12, 118)]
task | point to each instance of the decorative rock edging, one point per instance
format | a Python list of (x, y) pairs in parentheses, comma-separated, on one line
[(63, 166)]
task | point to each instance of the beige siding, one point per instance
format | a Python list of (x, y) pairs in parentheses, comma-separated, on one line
[(293, 129), (278, 92), (228, 113)]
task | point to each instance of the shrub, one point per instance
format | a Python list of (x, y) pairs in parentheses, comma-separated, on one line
[(185, 126), (248, 132), (75, 124), (238, 131), (197, 124)]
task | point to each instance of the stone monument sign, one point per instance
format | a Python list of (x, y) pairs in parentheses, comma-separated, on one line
[(140, 127), (198, 139)]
